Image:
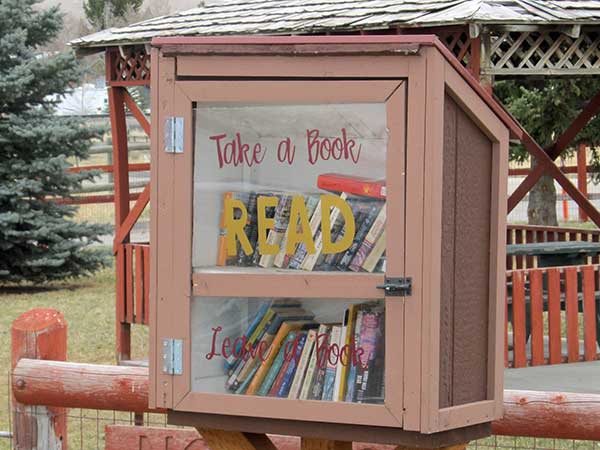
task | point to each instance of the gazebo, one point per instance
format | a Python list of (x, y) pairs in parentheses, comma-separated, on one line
[(494, 39)]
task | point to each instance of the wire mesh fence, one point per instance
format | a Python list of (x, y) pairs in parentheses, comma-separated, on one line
[(86, 430)]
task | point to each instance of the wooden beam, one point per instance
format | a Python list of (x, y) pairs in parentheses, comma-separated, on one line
[(324, 444), (582, 170), (137, 112), (588, 113), (121, 388), (123, 231), (108, 168), (521, 191)]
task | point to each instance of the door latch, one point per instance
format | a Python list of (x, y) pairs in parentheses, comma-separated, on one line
[(397, 286)]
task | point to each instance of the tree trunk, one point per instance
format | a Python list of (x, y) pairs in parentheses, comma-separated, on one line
[(541, 208)]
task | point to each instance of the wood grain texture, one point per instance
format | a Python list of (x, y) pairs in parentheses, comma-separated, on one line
[(39, 334)]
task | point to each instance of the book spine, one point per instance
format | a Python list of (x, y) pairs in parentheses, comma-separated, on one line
[(242, 388), (368, 341), (369, 242), (251, 230), (309, 378), (286, 384), (354, 363), (311, 259), (282, 218), (262, 310), (321, 351), (276, 365), (348, 343), (339, 366), (361, 232), (269, 214), (302, 364), (375, 380), (222, 241), (352, 184), (375, 254), (315, 222), (328, 383)]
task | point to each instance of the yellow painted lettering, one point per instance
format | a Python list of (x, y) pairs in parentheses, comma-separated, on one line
[(265, 224), (344, 243), (299, 228), (234, 229)]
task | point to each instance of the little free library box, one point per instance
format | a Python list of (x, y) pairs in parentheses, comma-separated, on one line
[(328, 221)]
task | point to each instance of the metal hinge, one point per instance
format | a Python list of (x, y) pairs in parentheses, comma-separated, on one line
[(397, 287), (172, 356), (174, 135)]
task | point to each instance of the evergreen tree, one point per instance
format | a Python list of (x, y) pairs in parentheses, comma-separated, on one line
[(102, 13), (38, 240), (546, 107)]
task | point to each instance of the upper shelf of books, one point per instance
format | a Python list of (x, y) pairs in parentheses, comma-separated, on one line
[(294, 187)]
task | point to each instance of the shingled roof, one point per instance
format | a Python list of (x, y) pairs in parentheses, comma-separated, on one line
[(230, 17)]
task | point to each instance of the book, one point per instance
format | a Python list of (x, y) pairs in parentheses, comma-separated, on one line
[(222, 240), (310, 260), (282, 259), (322, 345), (348, 344), (286, 383), (269, 214), (303, 364), (361, 231), (369, 241), (251, 230), (329, 380), (375, 255), (278, 317), (339, 366), (351, 184), (351, 379), (273, 350), (375, 377), (262, 310), (276, 365), (241, 389), (368, 341), (301, 251), (313, 363), (358, 211), (276, 234)]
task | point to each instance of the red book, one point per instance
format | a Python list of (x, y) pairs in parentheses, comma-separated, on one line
[(350, 184)]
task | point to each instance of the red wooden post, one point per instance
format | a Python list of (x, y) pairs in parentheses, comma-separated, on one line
[(537, 318), (554, 316), (582, 177), (118, 124), (519, 338), (39, 334)]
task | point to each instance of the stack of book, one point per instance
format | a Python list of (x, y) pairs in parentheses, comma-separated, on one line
[(365, 254), (289, 355)]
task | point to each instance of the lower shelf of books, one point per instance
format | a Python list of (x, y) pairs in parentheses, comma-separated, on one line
[(307, 349)]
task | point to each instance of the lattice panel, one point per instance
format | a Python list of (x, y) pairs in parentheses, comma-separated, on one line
[(459, 43), (544, 52), (131, 66)]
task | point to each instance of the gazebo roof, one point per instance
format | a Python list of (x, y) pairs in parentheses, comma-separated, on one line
[(231, 17)]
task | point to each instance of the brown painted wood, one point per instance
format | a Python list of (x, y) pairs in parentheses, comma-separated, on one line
[(109, 168), (519, 337), (129, 288), (137, 112), (537, 318), (146, 274), (576, 126), (554, 319), (40, 334), (132, 217), (582, 170), (139, 283), (77, 385), (324, 444), (550, 415), (121, 186), (572, 314), (589, 313)]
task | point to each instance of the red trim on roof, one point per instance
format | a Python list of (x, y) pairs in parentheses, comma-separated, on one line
[(424, 39)]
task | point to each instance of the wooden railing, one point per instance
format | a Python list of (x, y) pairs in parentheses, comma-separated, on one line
[(525, 234), (552, 315), (135, 307)]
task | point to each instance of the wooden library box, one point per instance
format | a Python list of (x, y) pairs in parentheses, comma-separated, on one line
[(327, 238)]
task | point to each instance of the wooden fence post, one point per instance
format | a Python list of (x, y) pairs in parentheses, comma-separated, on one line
[(39, 334)]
